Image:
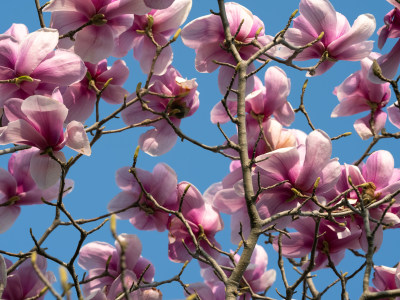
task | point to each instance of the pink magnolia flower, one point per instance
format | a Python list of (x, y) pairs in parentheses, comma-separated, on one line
[(165, 23), (108, 19), (357, 93), (263, 102), (383, 180), (256, 274), (24, 283), (340, 41), (18, 188), (80, 98), (332, 240), (38, 122), (203, 220), (301, 166), (391, 29), (161, 184), (229, 197), (206, 36), (30, 59), (386, 278), (94, 256), (180, 99)]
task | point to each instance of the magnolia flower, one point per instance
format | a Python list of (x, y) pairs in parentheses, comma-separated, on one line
[(378, 178), (300, 166), (38, 121), (18, 188), (206, 36), (339, 42), (32, 63), (263, 102), (203, 220), (164, 23), (24, 283), (386, 278), (333, 240), (108, 19), (96, 257), (80, 98), (256, 274), (178, 96), (161, 184), (357, 93), (391, 29)]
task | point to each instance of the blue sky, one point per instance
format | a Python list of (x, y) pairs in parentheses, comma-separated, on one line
[(95, 176)]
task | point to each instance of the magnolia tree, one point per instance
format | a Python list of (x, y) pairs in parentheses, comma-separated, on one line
[(283, 195)]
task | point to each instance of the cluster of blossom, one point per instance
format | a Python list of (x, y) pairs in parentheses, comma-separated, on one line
[(53, 78)]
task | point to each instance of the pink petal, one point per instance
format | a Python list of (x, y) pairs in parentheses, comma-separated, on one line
[(21, 132), (193, 206), (133, 248), (80, 102), (351, 105), (144, 51), (318, 153), (95, 255), (141, 265), (47, 115), (281, 164), (158, 4), (298, 245), (65, 21), (225, 77), (219, 115), (322, 17), (85, 7), (236, 14), (17, 31), (363, 128), (159, 140), (8, 185), (207, 28), (114, 94), (8, 215), (119, 73), (394, 115), (122, 201), (164, 191), (362, 29), (45, 170), (8, 51), (61, 67), (34, 48), (389, 64), (379, 168), (170, 19), (285, 114), (94, 43), (127, 182), (77, 139), (121, 7)]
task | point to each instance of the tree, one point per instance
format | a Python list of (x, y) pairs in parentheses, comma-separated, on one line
[(291, 173)]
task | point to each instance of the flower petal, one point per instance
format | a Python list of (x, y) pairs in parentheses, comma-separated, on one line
[(76, 138), (34, 48)]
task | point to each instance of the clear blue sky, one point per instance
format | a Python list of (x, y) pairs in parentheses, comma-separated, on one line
[(95, 176)]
